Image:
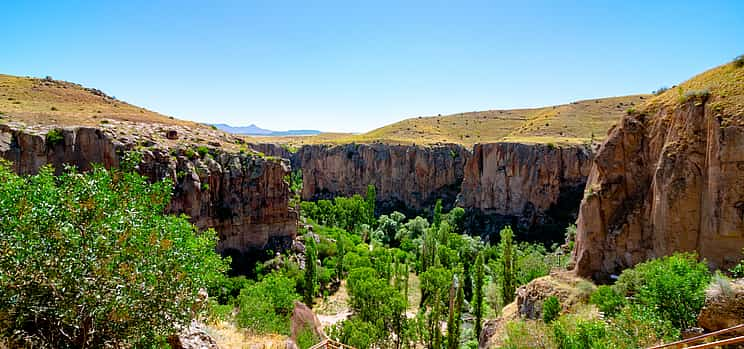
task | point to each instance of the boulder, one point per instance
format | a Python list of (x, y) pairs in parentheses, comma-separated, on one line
[(304, 319), (194, 337), (724, 306)]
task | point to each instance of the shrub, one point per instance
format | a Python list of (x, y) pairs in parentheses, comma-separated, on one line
[(739, 61), (190, 153), (89, 260), (674, 286), (607, 300), (54, 137), (551, 309), (661, 90), (202, 150), (738, 270), (700, 94), (266, 306)]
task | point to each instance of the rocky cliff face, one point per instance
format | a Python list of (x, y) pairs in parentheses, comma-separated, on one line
[(534, 187), (665, 181), (243, 197), (407, 178)]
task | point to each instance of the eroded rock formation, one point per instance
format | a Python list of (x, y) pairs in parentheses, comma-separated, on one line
[(529, 186), (407, 178), (243, 197), (671, 180)]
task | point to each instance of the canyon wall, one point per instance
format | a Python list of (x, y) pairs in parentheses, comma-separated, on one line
[(407, 178), (672, 180), (533, 187), (243, 197)]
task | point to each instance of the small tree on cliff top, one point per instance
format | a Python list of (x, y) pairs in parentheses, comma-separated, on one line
[(90, 260)]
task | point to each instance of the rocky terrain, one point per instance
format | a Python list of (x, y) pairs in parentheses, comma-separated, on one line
[(524, 185), (407, 178), (219, 181), (670, 177)]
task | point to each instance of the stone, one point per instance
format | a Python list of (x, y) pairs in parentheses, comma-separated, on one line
[(724, 306), (661, 183), (194, 337), (171, 134), (303, 319)]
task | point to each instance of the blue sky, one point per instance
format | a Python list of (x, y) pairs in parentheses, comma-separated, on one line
[(355, 66)]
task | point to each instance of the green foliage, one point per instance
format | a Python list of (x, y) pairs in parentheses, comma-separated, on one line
[(478, 294), (227, 289), (583, 334), (202, 151), (375, 301), (89, 260), (311, 272), (738, 270), (607, 300), (190, 153), (672, 286), (507, 273), (54, 137), (266, 306), (369, 200), (551, 308), (437, 216), (346, 213), (307, 338)]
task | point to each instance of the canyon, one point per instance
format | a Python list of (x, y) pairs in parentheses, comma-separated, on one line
[(244, 197), (535, 188)]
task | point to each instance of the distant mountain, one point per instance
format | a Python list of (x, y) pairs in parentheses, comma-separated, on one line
[(253, 130)]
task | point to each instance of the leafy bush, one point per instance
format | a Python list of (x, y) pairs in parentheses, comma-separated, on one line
[(585, 334), (674, 286), (738, 270), (551, 309), (54, 137), (266, 306), (607, 300), (89, 260), (202, 151)]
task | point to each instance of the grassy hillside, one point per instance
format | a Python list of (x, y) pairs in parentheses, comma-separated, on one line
[(723, 86), (577, 122), (39, 105)]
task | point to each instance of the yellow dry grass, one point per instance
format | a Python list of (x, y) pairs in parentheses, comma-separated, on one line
[(577, 122)]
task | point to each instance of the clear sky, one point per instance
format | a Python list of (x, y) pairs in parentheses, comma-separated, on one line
[(357, 65)]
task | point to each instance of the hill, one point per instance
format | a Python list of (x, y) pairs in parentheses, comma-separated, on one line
[(577, 122), (253, 130), (38, 105)]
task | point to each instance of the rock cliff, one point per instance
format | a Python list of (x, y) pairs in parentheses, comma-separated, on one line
[(536, 188), (533, 187), (670, 177), (408, 178), (243, 197)]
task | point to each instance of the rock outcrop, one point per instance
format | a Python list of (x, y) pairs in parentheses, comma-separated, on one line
[(525, 185), (668, 178), (724, 306), (243, 197), (407, 178)]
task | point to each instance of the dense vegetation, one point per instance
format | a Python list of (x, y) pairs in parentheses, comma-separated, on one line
[(89, 260), (375, 259)]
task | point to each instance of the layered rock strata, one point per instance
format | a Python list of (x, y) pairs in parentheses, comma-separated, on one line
[(243, 197)]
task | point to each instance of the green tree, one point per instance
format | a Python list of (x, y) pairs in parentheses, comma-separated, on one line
[(437, 217), (478, 294), (369, 201), (508, 274), (311, 270), (551, 308), (673, 286), (456, 296), (266, 306), (84, 258), (340, 252)]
